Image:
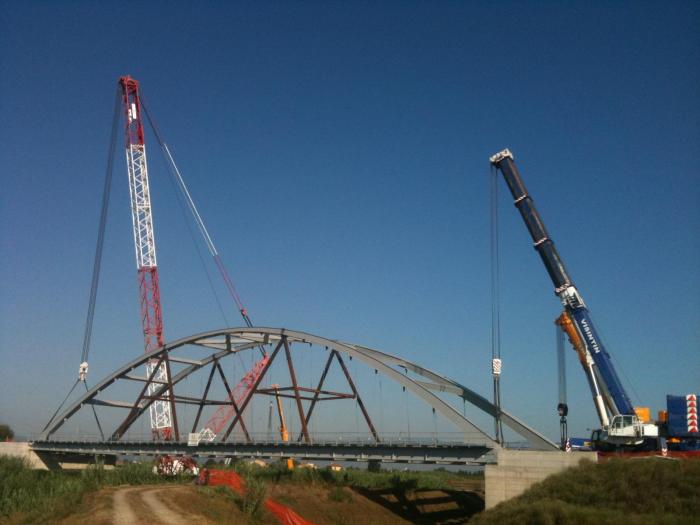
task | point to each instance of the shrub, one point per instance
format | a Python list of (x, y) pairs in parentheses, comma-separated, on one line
[(339, 495), (6, 433), (403, 484), (374, 466), (253, 502)]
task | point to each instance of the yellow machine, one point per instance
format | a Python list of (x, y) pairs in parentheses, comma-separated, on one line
[(284, 432)]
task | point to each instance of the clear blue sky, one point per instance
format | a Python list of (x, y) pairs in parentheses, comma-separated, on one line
[(339, 155)]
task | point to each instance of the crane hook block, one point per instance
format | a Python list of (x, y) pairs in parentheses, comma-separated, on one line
[(82, 371), (496, 366)]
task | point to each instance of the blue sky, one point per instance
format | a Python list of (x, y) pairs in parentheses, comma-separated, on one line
[(339, 155)]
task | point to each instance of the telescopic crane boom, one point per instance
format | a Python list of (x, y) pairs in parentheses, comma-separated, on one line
[(618, 419)]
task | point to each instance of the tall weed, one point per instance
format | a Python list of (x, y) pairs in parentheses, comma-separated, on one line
[(253, 503)]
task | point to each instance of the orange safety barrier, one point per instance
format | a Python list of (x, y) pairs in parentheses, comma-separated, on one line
[(215, 477), (229, 478)]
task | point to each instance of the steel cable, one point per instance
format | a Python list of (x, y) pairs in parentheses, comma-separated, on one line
[(495, 306), (61, 405), (97, 263), (101, 233), (99, 426), (180, 182)]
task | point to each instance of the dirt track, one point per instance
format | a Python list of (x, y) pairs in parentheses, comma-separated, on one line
[(186, 504), (146, 505), (140, 505)]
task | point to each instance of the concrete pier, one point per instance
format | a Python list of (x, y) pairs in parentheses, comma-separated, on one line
[(517, 470)]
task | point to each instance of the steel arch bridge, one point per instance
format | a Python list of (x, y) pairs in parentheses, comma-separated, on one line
[(204, 352)]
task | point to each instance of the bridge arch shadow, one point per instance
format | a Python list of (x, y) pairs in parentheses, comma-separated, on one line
[(202, 355)]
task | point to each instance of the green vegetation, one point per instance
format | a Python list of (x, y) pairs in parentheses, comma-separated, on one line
[(29, 496), (254, 498), (640, 491), (34, 494), (357, 478), (6, 433), (339, 494), (252, 503)]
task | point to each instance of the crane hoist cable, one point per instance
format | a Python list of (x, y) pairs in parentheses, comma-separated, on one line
[(210, 282), (180, 199), (561, 365), (179, 194), (245, 387), (97, 264), (562, 407), (87, 336), (175, 173), (496, 362), (61, 405)]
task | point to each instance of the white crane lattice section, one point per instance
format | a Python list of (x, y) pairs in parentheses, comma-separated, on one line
[(144, 240)]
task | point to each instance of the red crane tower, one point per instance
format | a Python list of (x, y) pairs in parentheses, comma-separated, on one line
[(151, 314)]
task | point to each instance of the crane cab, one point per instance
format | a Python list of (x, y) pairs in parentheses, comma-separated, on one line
[(624, 430)]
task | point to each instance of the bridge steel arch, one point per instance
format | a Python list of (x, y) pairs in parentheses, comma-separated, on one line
[(225, 342)]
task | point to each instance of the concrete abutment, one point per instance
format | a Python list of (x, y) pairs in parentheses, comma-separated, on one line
[(517, 470)]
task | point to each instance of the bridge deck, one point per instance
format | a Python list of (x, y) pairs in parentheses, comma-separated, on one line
[(455, 454)]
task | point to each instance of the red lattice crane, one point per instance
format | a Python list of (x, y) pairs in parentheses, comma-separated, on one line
[(144, 241)]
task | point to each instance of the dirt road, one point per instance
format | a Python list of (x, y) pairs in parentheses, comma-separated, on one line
[(136, 505), (142, 505), (187, 504)]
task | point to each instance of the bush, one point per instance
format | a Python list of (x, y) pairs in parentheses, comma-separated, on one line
[(339, 495), (253, 502), (6, 433), (374, 466), (403, 484)]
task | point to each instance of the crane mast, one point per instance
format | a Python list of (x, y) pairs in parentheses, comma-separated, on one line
[(144, 242), (615, 411)]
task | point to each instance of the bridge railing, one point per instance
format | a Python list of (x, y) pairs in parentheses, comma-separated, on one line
[(334, 438)]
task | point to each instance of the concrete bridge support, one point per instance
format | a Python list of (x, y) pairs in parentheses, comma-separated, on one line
[(517, 470), (46, 461), (22, 450)]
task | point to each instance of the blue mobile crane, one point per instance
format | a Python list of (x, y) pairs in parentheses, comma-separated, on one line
[(620, 424)]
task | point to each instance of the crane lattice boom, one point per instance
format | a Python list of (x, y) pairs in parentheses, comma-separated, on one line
[(242, 391), (144, 242)]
